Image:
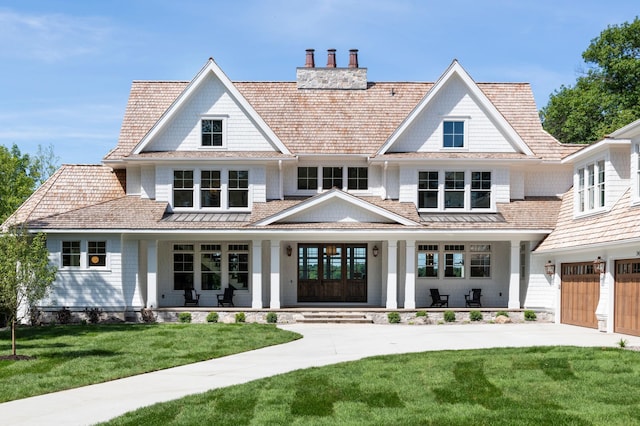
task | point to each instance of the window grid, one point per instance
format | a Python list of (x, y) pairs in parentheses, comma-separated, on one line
[(238, 264), (331, 177), (453, 134), (183, 188), (428, 264), (307, 178), (210, 266), (70, 253), (480, 190), (454, 190), (211, 132), (238, 188), (97, 253), (210, 187), (357, 178), (183, 266), (428, 190)]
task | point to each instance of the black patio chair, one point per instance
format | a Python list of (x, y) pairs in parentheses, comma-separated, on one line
[(472, 300), (226, 299), (191, 297), (439, 300)]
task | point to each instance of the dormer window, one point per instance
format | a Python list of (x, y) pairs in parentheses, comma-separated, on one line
[(212, 132), (453, 134), (591, 187)]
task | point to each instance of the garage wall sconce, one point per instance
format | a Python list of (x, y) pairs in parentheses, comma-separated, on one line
[(599, 265), (549, 268), (375, 251), (289, 250)]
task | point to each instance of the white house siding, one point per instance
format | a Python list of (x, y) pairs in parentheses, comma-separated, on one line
[(408, 183), (272, 183), (148, 182), (547, 181), (617, 175), (337, 210), (454, 101), (516, 183), (133, 180), (393, 182), (183, 133), (81, 287), (131, 287)]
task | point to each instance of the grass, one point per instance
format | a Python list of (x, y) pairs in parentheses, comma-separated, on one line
[(524, 386), (77, 355)]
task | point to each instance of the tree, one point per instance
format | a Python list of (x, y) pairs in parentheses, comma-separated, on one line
[(21, 174), (607, 97), (26, 275)]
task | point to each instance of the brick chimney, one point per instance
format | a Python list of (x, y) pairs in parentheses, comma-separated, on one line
[(331, 58), (309, 61), (353, 58), (331, 77)]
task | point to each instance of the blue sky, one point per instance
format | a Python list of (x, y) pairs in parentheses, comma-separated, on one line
[(66, 67)]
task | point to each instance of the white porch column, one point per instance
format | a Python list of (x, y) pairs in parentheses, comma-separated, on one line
[(256, 279), (514, 279), (275, 275), (604, 310), (410, 277), (392, 275), (152, 274)]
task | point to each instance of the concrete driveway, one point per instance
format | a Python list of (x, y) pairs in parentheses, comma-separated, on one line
[(323, 344)]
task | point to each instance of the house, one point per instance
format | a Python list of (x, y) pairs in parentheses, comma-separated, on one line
[(329, 191), (593, 254)]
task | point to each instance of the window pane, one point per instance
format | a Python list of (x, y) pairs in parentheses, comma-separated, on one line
[(427, 190), (307, 178), (331, 177), (210, 188), (211, 132), (239, 195), (182, 269), (454, 200), (183, 188), (210, 270), (71, 253), (454, 265), (428, 200), (453, 134), (308, 261), (427, 264), (238, 264), (357, 178), (97, 253)]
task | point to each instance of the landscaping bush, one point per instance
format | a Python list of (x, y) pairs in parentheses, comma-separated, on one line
[(184, 317), (529, 315), (449, 316), (393, 317), (212, 317), (93, 314), (272, 318), (475, 316), (421, 314), (63, 316), (503, 313), (241, 317)]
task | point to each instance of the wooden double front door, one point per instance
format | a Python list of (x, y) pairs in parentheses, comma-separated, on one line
[(332, 272)]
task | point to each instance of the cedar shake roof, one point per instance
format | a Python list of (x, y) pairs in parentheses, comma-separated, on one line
[(325, 121), (618, 225), (70, 188)]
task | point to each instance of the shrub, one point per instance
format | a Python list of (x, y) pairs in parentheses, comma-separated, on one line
[(93, 314), (147, 315), (622, 343), (240, 317), (475, 315), (272, 318), (421, 314), (212, 317), (529, 315), (503, 313), (393, 317), (184, 317), (63, 316), (449, 316)]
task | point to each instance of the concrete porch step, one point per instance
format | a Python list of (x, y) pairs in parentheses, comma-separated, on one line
[(334, 318)]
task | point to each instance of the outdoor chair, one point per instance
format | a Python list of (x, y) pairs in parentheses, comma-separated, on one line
[(472, 300), (439, 300), (191, 297), (226, 299)]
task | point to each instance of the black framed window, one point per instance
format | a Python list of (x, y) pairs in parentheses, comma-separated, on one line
[(96, 253), (183, 188), (428, 190), (453, 134), (308, 178), (357, 178), (210, 188), (211, 132), (238, 188), (332, 177), (70, 253)]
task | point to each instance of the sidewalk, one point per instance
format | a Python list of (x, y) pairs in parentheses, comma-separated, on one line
[(322, 344)]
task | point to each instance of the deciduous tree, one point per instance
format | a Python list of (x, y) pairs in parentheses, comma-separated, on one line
[(26, 275), (607, 96)]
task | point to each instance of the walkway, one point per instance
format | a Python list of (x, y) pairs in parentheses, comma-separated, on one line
[(322, 344)]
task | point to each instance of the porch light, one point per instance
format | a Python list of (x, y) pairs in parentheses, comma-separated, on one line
[(331, 250), (549, 268), (599, 265), (289, 250), (375, 251)]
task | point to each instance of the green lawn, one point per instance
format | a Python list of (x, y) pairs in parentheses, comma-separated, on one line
[(523, 386), (77, 355)]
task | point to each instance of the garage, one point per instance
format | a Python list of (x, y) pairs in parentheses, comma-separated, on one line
[(627, 297), (580, 293)]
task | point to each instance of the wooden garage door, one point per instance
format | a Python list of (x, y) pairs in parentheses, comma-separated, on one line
[(627, 297), (579, 295)]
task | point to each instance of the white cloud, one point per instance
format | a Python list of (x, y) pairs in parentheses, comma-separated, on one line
[(50, 37)]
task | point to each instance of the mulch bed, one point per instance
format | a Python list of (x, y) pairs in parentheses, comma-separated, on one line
[(16, 358)]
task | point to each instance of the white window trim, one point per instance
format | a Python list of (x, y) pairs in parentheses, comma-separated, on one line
[(224, 190), (635, 161), (467, 253), (345, 180), (222, 118), (584, 169), (467, 191), (84, 252), (465, 140)]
